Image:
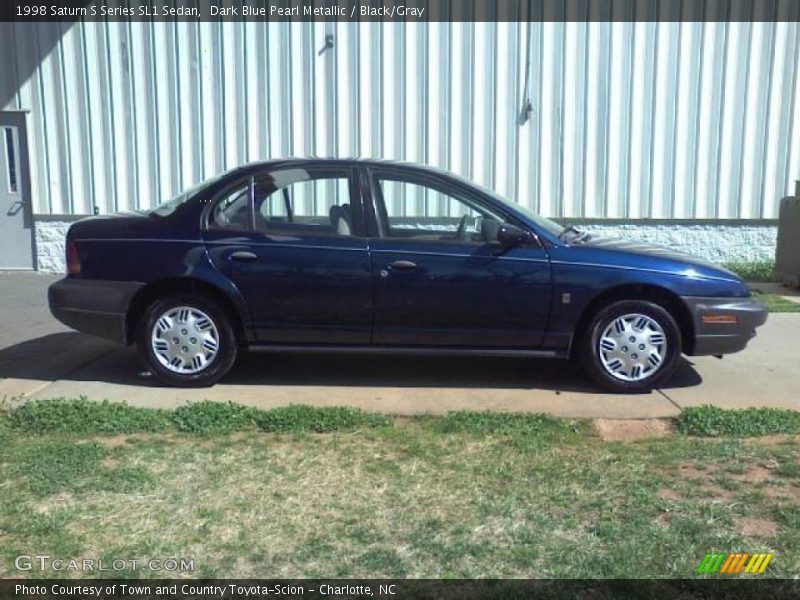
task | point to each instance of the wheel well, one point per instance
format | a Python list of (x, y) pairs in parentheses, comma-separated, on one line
[(652, 293), (158, 289)]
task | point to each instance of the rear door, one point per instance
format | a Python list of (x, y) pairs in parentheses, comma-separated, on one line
[(440, 276), (291, 240)]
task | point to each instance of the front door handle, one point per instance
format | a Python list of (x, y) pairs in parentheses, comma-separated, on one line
[(403, 265), (243, 256)]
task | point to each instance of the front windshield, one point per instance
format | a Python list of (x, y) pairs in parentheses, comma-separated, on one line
[(169, 207)]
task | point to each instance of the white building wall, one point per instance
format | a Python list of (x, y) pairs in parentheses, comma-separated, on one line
[(628, 119)]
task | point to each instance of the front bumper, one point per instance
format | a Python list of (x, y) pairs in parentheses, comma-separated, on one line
[(96, 307), (713, 335)]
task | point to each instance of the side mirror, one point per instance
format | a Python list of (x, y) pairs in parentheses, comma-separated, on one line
[(510, 235)]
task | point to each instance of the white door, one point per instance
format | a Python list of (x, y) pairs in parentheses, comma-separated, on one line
[(16, 216)]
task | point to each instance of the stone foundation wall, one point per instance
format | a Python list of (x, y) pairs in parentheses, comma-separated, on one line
[(722, 243), (50, 236)]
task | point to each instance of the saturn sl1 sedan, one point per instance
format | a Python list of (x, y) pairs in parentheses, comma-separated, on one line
[(374, 256)]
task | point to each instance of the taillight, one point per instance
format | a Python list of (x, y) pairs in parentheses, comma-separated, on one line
[(73, 262)]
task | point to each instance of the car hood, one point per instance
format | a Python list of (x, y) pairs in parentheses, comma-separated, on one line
[(660, 254)]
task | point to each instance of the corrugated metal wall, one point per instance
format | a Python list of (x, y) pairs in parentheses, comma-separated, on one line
[(628, 119)]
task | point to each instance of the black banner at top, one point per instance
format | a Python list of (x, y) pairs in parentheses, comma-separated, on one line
[(410, 11)]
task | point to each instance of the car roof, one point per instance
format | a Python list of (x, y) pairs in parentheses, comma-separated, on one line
[(341, 162)]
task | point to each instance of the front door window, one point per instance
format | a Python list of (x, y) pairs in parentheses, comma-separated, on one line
[(426, 214)]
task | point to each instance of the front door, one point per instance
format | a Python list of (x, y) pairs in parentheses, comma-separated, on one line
[(292, 242), (16, 218), (440, 276)]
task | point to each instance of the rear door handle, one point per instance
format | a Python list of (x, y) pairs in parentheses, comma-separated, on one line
[(403, 265), (243, 256)]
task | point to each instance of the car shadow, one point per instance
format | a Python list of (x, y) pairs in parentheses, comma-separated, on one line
[(75, 356)]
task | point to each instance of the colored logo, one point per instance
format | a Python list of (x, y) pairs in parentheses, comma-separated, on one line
[(734, 563)]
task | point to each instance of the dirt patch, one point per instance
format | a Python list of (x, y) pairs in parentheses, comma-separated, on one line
[(109, 463), (50, 504), (618, 430), (755, 474), (717, 494), (122, 439), (662, 520), (689, 471), (589, 520), (704, 484), (783, 492), (114, 441), (774, 440), (760, 477), (753, 526), (668, 494)]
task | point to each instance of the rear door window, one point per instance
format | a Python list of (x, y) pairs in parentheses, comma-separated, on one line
[(306, 202)]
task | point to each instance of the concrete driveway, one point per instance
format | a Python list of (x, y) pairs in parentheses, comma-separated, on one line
[(40, 358)]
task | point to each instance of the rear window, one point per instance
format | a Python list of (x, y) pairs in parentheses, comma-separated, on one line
[(170, 206)]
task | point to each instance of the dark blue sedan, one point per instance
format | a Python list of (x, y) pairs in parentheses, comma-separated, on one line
[(352, 255)]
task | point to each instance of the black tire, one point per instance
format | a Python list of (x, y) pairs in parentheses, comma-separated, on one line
[(590, 354), (217, 367)]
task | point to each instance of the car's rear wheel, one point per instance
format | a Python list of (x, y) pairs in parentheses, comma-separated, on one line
[(187, 341), (631, 346)]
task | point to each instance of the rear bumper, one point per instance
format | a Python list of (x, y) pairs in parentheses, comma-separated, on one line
[(715, 336), (96, 307)]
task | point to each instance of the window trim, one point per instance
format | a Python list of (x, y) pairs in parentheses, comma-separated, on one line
[(375, 226), (287, 204)]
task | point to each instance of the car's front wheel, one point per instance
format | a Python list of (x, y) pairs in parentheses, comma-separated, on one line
[(187, 341), (631, 346)]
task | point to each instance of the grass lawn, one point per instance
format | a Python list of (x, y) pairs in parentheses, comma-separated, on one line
[(463, 495), (776, 303)]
